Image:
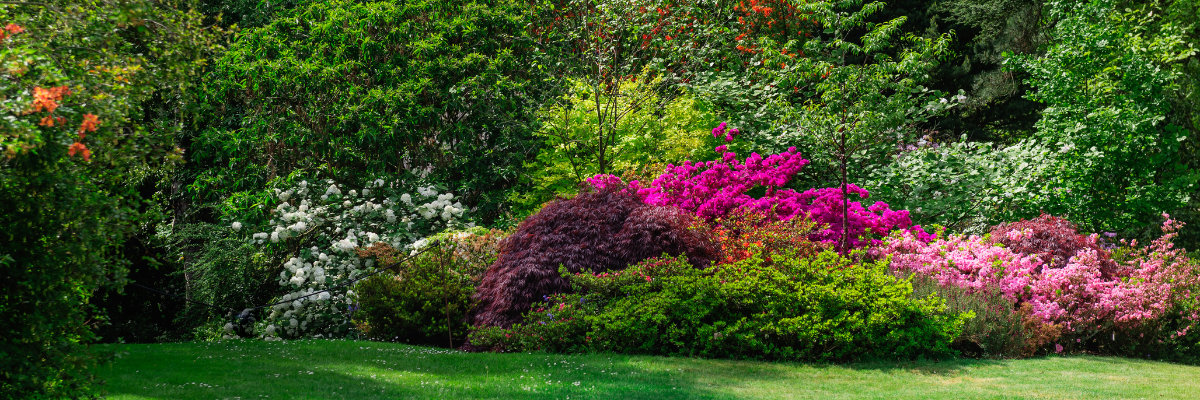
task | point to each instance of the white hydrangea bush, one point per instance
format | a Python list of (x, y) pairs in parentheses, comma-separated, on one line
[(326, 224)]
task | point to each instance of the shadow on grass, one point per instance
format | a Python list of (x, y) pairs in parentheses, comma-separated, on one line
[(366, 370)]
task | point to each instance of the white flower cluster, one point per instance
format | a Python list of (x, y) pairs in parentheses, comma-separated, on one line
[(330, 225)]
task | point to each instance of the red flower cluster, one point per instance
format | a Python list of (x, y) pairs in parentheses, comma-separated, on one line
[(10, 29)]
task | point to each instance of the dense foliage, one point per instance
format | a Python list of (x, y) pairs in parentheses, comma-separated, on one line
[(1103, 79), (354, 89), (655, 131)]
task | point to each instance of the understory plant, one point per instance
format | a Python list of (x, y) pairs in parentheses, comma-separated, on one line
[(997, 330)]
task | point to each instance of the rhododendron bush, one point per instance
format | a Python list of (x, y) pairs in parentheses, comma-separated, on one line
[(1085, 294), (328, 225)]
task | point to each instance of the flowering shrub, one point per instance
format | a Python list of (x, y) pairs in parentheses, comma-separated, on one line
[(601, 230), (327, 226), (970, 262), (1151, 283), (715, 188), (818, 308), (426, 300)]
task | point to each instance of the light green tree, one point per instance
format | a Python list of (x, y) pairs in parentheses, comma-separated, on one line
[(636, 133)]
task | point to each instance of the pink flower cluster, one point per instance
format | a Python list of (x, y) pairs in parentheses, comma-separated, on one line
[(720, 131), (713, 189), (601, 181), (1076, 296), (1159, 277), (970, 262), (825, 207)]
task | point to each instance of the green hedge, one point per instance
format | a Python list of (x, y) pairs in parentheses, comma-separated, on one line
[(823, 308)]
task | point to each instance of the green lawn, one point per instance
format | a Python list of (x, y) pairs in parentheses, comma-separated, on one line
[(371, 370)]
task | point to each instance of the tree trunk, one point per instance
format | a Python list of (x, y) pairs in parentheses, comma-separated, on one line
[(845, 196)]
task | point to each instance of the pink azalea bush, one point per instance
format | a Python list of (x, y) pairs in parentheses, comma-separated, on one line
[(1151, 283), (1160, 277), (970, 262)]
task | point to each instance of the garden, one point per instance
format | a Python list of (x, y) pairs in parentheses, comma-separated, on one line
[(612, 198)]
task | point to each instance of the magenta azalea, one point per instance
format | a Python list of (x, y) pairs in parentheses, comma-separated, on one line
[(713, 189)]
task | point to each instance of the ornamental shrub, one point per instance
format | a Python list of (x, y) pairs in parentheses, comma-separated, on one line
[(822, 308), (600, 230), (425, 300), (1151, 294), (713, 189)]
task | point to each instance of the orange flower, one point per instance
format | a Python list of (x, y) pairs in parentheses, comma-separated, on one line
[(47, 99), (47, 121), (89, 123), (79, 148), (14, 28)]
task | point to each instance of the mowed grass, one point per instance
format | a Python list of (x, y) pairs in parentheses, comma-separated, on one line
[(313, 369)]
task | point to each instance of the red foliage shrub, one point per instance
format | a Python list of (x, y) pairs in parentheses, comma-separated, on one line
[(1053, 239), (602, 230)]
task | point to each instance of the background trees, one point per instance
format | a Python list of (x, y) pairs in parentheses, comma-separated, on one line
[(343, 90)]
